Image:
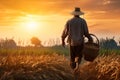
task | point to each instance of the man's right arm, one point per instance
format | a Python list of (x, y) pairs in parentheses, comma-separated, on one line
[(64, 34)]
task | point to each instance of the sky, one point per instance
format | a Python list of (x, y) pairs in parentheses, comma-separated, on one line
[(45, 19)]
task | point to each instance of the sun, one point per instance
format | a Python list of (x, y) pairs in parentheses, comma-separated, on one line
[(31, 25)]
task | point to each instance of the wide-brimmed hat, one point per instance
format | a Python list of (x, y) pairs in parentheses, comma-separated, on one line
[(77, 11)]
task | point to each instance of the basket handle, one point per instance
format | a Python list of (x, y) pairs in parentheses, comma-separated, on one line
[(98, 42)]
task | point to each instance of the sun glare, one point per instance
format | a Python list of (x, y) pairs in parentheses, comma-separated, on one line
[(30, 23)]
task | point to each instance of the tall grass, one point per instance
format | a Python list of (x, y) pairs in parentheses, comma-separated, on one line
[(35, 50), (109, 51), (103, 68), (49, 63), (34, 67)]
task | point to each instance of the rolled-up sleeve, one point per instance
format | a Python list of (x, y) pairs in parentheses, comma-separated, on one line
[(65, 31)]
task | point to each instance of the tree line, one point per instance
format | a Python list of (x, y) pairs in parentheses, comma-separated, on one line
[(108, 43)]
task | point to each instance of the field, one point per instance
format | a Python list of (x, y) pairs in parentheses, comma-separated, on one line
[(52, 63)]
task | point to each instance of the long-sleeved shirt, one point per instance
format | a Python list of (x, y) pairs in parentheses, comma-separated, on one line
[(75, 28)]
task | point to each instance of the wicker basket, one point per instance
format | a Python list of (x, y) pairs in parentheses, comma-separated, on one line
[(91, 50)]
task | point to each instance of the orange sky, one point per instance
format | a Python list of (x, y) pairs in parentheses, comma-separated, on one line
[(50, 16)]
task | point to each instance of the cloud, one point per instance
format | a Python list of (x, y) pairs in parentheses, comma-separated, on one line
[(102, 9), (38, 6), (9, 16), (106, 8)]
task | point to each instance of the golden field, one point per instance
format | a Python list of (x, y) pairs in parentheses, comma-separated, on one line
[(34, 67), (27, 65)]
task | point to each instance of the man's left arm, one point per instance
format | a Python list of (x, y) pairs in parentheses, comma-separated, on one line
[(86, 32)]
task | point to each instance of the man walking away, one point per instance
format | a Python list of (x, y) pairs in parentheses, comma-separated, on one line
[(75, 29)]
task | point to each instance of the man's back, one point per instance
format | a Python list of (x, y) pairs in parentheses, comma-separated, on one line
[(76, 27)]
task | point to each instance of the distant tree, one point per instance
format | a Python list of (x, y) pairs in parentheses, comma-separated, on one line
[(108, 43), (8, 43), (36, 42)]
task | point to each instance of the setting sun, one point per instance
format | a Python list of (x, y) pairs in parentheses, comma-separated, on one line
[(31, 25), (46, 18)]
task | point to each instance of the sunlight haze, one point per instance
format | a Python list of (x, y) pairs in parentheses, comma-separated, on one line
[(45, 19)]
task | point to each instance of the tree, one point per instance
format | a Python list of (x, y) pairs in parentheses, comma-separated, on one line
[(7, 43), (35, 41)]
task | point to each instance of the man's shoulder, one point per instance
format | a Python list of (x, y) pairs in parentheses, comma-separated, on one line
[(74, 19), (82, 19), (77, 18), (70, 19)]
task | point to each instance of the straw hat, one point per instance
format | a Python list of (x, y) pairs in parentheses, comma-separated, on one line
[(77, 11)]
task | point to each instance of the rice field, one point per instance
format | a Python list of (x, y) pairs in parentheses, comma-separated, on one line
[(49, 64), (103, 68), (34, 67)]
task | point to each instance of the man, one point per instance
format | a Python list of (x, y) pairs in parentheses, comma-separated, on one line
[(75, 29)]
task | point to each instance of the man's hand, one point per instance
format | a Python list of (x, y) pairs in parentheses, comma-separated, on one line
[(63, 44), (90, 40)]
